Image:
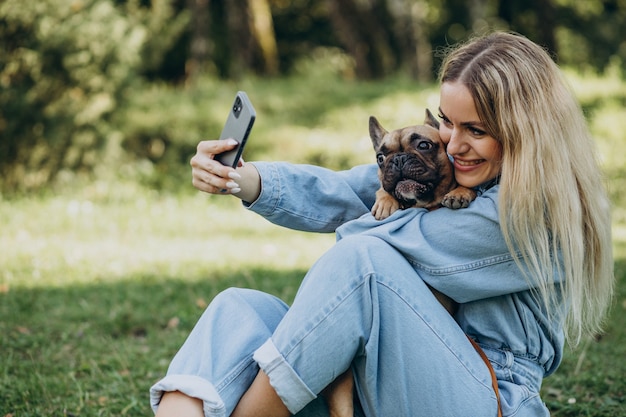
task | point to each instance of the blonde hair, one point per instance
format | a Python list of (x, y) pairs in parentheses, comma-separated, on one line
[(554, 212)]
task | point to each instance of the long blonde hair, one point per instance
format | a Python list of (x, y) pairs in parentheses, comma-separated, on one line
[(552, 199)]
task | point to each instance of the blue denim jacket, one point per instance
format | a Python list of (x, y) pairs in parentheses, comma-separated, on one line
[(461, 253)]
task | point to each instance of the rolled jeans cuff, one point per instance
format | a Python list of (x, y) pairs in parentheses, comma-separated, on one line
[(290, 388), (192, 386)]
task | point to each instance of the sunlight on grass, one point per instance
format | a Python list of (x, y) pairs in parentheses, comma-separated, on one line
[(64, 242)]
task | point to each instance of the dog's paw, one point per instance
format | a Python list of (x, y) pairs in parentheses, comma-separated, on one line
[(384, 206), (460, 197)]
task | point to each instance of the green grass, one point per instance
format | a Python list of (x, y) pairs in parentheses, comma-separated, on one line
[(101, 281)]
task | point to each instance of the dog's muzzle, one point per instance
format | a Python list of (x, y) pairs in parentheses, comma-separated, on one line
[(408, 182)]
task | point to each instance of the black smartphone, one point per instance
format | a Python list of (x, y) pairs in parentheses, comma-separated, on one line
[(238, 126)]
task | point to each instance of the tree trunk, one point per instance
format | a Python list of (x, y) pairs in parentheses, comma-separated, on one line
[(364, 30), (251, 37), (263, 30), (411, 31), (200, 45), (240, 39), (542, 31), (547, 23)]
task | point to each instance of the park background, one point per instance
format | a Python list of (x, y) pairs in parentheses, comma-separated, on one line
[(108, 255)]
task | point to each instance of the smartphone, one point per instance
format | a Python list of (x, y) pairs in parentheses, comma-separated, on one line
[(238, 126)]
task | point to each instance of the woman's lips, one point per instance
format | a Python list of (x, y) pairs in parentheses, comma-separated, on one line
[(467, 165)]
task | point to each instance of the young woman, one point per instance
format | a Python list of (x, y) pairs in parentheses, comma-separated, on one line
[(529, 263)]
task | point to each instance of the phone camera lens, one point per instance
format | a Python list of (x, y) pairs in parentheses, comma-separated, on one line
[(237, 107)]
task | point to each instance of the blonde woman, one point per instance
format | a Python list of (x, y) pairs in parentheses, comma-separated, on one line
[(529, 263)]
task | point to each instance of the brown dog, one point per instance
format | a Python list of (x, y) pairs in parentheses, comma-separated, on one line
[(414, 171)]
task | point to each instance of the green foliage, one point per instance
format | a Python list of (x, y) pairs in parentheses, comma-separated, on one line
[(165, 25), (63, 71), (590, 34), (301, 25)]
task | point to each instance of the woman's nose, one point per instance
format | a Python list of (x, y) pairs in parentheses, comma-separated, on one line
[(456, 143)]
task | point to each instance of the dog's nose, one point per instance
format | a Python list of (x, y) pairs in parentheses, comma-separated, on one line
[(407, 164), (399, 160)]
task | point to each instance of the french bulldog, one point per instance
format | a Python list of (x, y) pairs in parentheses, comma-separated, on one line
[(414, 171)]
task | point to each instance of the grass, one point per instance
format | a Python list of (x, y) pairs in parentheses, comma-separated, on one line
[(101, 281)]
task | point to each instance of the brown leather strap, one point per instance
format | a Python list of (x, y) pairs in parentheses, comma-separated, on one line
[(494, 380)]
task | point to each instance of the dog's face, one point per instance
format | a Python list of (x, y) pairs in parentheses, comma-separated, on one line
[(413, 165)]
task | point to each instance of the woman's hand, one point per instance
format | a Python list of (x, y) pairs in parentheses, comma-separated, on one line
[(212, 177)]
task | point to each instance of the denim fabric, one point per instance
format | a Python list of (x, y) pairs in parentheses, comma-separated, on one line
[(365, 305), (217, 355), (461, 253)]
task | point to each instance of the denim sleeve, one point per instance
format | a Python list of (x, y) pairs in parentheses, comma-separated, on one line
[(461, 253), (314, 199)]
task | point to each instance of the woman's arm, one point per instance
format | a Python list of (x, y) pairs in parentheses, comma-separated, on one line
[(312, 198), (301, 197), (461, 253)]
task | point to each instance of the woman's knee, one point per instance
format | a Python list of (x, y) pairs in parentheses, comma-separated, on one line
[(353, 261), (233, 296), (242, 303), (368, 253)]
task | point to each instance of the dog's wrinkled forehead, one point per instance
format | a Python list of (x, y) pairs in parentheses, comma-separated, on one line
[(403, 139)]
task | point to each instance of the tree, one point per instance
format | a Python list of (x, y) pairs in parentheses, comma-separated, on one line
[(361, 28), (242, 37), (535, 19), (201, 45)]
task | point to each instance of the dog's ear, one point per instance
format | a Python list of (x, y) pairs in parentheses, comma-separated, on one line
[(377, 132), (431, 120)]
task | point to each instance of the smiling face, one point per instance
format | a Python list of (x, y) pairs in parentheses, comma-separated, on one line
[(477, 155)]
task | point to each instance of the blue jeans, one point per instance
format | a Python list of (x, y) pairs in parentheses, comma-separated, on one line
[(362, 305)]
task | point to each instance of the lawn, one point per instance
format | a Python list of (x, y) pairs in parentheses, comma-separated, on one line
[(101, 281)]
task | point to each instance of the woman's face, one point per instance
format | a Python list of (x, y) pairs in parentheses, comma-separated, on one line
[(477, 156)]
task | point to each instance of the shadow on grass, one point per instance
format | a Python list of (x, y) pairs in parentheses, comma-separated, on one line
[(94, 350)]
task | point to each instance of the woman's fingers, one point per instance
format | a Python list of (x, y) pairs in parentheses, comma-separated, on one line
[(210, 176)]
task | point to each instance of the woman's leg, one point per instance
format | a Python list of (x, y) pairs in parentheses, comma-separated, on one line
[(260, 400), (215, 363), (175, 403), (363, 303)]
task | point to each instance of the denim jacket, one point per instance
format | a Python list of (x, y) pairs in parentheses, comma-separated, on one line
[(461, 253)]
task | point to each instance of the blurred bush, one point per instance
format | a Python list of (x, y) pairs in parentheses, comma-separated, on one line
[(65, 68)]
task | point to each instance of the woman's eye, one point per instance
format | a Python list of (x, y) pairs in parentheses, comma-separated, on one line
[(444, 119), (477, 132)]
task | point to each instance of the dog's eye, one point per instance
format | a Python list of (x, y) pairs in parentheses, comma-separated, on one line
[(424, 145), (380, 158)]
